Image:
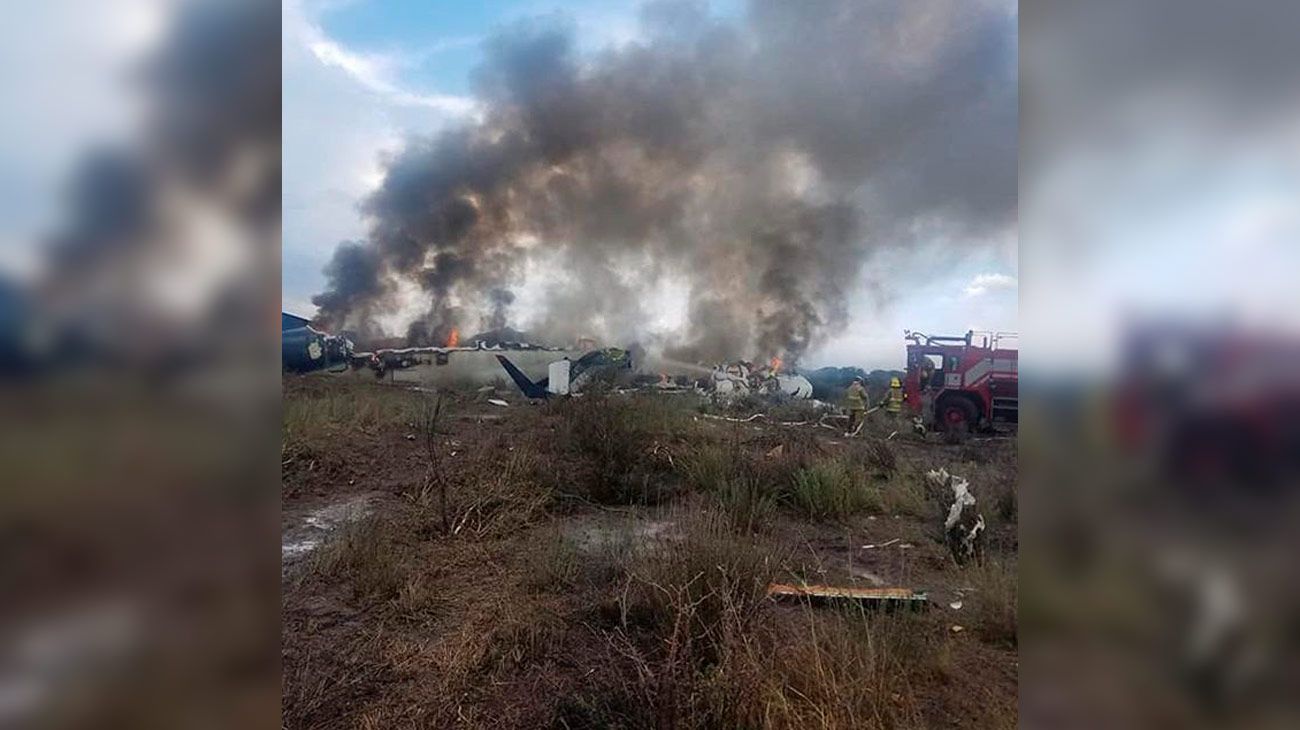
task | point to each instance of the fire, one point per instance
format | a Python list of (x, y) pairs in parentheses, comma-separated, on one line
[(453, 339), (775, 364)]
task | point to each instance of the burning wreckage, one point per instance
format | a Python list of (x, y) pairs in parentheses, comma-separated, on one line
[(556, 370), (618, 367), (306, 349), (952, 384)]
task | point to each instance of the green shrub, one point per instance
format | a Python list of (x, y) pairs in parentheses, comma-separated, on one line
[(748, 501), (832, 489), (707, 467), (742, 486)]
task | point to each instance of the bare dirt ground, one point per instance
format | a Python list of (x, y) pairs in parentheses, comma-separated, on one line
[(603, 562)]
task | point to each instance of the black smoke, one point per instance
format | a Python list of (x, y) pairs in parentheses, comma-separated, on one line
[(760, 160), (501, 300)]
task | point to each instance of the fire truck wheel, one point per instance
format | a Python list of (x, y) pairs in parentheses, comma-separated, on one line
[(957, 417)]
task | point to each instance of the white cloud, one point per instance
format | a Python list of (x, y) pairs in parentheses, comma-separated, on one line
[(376, 72), (984, 283)]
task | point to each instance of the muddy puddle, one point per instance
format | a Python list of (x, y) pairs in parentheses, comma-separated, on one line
[(308, 531)]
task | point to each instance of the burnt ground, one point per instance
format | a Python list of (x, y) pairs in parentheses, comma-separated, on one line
[(602, 562)]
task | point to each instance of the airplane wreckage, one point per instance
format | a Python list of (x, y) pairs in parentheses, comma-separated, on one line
[(568, 371), (615, 366)]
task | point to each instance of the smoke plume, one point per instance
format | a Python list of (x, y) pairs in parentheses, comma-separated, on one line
[(760, 161)]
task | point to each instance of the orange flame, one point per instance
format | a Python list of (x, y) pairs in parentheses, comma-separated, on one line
[(453, 339), (775, 364)]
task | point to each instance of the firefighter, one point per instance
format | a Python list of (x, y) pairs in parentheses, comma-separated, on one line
[(893, 400), (855, 399)]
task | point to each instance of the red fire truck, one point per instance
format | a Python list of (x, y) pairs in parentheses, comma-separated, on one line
[(1210, 401), (962, 384)]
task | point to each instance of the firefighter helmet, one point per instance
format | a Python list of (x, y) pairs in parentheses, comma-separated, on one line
[(894, 383)]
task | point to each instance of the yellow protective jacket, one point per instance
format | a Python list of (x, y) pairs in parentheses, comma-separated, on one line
[(856, 397), (894, 400)]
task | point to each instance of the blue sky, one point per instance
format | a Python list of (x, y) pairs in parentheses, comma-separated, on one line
[(360, 75)]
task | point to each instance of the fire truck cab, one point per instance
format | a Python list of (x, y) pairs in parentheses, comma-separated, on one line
[(963, 384)]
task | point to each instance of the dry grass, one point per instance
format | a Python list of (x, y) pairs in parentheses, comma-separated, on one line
[(558, 563), (501, 499), (497, 636), (682, 610), (879, 457), (326, 679), (846, 670), (314, 414), (906, 494), (707, 649), (530, 610), (993, 603), (614, 436), (364, 555), (706, 575), (555, 563)]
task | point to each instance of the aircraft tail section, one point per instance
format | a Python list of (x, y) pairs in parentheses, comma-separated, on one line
[(528, 387)]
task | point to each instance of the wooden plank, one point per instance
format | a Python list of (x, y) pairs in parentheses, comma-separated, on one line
[(823, 593)]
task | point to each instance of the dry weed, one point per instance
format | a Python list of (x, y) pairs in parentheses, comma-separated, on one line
[(362, 554), (994, 601)]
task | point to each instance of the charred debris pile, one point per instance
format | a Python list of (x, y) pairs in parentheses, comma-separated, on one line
[(579, 364)]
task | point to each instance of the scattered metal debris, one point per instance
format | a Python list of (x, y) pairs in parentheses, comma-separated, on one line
[(735, 379), (874, 597), (497, 402), (734, 420), (886, 543), (820, 422), (964, 525)]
